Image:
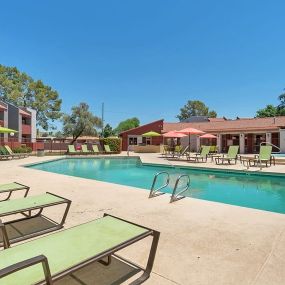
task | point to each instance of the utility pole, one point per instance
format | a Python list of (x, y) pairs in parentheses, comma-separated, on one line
[(102, 118)]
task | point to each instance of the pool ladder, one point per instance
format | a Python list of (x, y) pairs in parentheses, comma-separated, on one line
[(175, 196)]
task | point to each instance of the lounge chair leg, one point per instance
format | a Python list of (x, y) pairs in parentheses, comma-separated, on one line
[(65, 213), (150, 261), (6, 242), (106, 263)]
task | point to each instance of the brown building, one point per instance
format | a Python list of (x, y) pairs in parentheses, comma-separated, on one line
[(248, 133)]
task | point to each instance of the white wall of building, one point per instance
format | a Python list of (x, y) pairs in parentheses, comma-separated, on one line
[(33, 124), (241, 143), (282, 140)]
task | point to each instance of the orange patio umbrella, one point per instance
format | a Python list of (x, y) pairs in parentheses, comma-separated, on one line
[(191, 131)]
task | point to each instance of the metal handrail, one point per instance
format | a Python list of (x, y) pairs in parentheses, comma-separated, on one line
[(177, 196), (155, 192), (265, 143)]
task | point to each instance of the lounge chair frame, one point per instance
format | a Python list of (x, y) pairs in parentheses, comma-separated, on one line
[(106, 151), (27, 213), (15, 154), (49, 280), (198, 156), (10, 191), (225, 157)]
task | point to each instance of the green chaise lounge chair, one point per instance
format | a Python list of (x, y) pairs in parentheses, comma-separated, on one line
[(265, 156), (202, 157), (13, 154), (12, 187), (95, 149), (32, 207), (181, 152), (72, 150), (213, 149), (4, 154), (165, 150), (107, 149), (177, 150), (230, 156), (47, 259), (85, 149)]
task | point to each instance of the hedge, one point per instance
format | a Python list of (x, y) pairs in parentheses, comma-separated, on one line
[(22, 149), (115, 143)]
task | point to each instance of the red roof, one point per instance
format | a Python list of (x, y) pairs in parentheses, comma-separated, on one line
[(240, 125), (217, 119)]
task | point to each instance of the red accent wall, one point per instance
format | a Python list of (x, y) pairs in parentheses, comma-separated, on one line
[(26, 129), (156, 126)]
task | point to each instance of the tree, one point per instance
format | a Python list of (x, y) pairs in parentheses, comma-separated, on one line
[(127, 124), (80, 122), (59, 135), (18, 88), (108, 131), (281, 106), (195, 108), (273, 111), (268, 111)]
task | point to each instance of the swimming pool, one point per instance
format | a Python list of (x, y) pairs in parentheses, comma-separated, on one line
[(265, 192), (279, 154)]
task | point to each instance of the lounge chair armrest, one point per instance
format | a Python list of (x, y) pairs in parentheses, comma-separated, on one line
[(27, 263)]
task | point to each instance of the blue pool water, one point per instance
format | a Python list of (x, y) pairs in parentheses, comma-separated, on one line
[(279, 154), (254, 191)]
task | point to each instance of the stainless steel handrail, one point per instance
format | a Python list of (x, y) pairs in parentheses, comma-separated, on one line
[(155, 192), (177, 196), (265, 143)]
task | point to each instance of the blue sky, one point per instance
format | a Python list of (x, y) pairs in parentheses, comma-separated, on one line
[(147, 58)]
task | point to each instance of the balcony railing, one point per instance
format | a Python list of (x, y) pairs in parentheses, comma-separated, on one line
[(26, 129)]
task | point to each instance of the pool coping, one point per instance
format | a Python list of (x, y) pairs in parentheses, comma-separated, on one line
[(194, 168)]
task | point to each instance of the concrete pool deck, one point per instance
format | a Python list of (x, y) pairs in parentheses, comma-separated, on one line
[(201, 242)]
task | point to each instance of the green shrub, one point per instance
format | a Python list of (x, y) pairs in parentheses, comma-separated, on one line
[(115, 143), (22, 149)]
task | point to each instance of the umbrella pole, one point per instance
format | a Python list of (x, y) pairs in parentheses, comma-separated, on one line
[(189, 144)]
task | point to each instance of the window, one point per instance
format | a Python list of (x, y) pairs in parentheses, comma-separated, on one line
[(133, 141)]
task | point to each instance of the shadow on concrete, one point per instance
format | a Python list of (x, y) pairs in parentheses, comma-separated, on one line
[(114, 274), (26, 227)]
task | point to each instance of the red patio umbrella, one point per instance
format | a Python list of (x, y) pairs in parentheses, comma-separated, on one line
[(189, 132), (174, 134), (208, 136)]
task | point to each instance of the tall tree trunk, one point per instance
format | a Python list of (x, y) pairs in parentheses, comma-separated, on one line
[(77, 136)]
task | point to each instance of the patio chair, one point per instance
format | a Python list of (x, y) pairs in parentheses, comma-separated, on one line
[(230, 156), (13, 187), (13, 154), (202, 157), (176, 151), (32, 207), (85, 149), (264, 156), (165, 150), (4, 153), (107, 149), (47, 259), (72, 150), (213, 149), (95, 149), (181, 153)]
